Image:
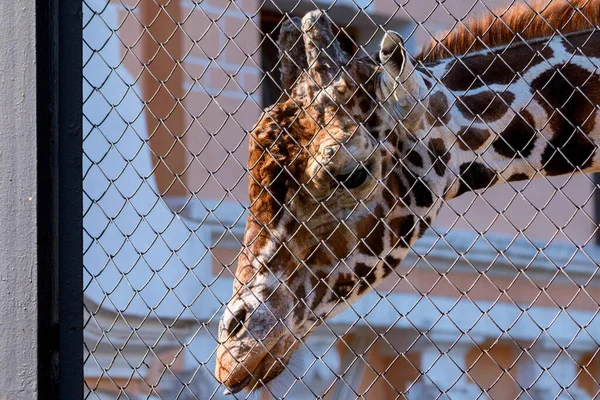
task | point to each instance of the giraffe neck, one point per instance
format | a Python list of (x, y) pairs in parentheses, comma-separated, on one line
[(511, 113)]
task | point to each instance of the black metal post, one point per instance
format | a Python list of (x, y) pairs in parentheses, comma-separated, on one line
[(59, 139), (597, 205)]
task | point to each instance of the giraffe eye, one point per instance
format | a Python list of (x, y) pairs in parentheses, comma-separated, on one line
[(354, 179)]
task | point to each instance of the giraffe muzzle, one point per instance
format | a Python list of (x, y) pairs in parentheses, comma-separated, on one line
[(262, 363), (253, 345)]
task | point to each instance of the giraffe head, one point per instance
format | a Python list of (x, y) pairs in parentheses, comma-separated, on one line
[(349, 169), (315, 237)]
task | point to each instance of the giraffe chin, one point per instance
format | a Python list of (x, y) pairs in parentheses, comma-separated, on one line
[(257, 368)]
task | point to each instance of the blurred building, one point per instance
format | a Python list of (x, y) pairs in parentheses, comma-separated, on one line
[(171, 88)]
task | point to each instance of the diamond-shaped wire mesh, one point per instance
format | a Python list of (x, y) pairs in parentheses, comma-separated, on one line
[(323, 215)]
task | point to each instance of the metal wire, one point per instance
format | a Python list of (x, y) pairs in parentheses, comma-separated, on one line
[(499, 300)]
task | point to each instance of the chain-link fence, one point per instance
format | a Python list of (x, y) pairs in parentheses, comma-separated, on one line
[(399, 218)]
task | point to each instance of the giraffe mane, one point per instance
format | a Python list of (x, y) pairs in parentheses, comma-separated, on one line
[(519, 22)]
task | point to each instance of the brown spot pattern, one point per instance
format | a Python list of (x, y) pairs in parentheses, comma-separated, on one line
[(389, 264), (424, 224), (395, 190), (414, 158), (471, 138), (519, 176), (570, 98), (300, 309), (500, 67), (518, 137), (402, 230), (344, 285), (319, 288), (371, 230), (585, 43), (366, 273), (270, 151), (440, 157), (438, 114), (474, 176), (419, 188), (489, 106)]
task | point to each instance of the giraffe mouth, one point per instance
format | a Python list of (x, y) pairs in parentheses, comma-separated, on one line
[(238, 387), (267, 366), (250, 382)]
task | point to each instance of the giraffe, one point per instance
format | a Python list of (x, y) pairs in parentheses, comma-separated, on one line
[(352, 165)]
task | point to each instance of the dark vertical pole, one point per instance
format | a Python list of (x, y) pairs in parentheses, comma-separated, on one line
[(597, 206), (60, 232)]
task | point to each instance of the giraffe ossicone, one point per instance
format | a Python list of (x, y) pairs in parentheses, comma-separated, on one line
[(325, 227)]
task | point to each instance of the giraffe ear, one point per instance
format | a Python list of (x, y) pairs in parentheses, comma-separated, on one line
[(400, 78), (291, 52), (393, 54)]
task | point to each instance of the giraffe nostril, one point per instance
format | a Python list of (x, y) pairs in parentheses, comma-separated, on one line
[(237, 322)]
